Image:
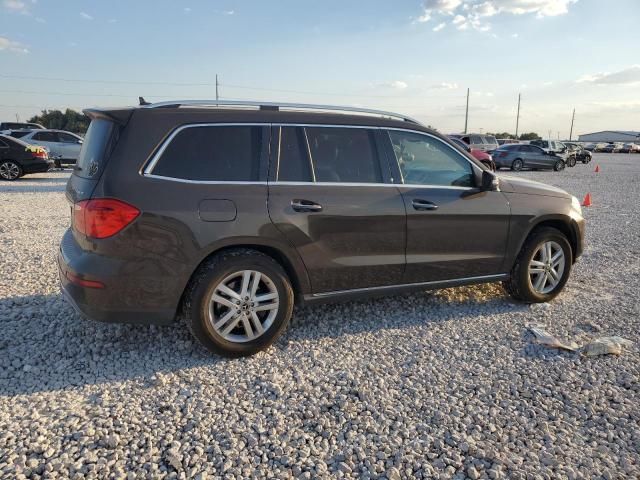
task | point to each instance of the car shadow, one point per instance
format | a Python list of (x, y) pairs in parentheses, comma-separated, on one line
[(6, 187), (58, 349)]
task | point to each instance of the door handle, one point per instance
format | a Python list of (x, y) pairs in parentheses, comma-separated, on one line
[(423, 205), (305, 206)]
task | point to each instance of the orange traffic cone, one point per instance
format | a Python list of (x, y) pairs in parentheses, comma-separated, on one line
[(587, 200), (597, 170)]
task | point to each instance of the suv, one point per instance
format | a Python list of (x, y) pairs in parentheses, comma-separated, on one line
[(63, 146), (486, 143), (226, 215)]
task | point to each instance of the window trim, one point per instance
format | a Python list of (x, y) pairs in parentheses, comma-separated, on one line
[(147, 167)]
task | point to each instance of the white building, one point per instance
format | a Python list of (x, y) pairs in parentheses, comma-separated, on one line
[(611, 136)]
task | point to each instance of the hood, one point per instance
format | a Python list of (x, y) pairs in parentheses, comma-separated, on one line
[(529, 187)]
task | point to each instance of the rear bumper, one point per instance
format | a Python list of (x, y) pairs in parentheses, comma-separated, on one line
[(124, 298), (40, 166)]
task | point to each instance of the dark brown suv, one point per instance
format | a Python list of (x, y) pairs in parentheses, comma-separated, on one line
[(228, 213)]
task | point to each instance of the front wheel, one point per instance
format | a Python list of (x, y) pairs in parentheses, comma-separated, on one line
[(542, 268), (517, 165), (559, 165), (238, 303), (571, 162), (10, 170)]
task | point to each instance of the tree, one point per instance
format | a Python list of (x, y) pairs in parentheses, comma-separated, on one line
[(501, 135), (530, 136), (70, 120)]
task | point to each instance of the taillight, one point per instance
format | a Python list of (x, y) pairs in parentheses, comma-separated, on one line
[(40, 154), (102, 217), (500, 154)]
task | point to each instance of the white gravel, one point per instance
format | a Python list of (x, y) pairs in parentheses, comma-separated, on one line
[(433, 385)]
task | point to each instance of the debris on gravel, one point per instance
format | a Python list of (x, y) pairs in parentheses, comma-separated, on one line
[(431, 385)]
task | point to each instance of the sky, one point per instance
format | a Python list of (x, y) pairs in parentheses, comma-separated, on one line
[(413, 57)]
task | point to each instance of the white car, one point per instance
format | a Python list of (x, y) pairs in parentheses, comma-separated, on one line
[(63, 146)]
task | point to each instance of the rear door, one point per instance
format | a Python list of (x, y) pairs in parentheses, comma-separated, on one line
[(330, 195), (454, 230), (69, 146)]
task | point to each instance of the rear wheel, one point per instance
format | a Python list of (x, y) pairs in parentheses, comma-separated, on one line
[(239, 302), (542, 268), (559, 165), (10, 170), (517, 165), (571, 162)]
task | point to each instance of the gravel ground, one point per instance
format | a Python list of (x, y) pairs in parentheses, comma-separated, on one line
[(433, 385)]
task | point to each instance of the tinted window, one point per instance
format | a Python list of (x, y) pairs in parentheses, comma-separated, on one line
[(476, 140), (211, 153), (491, 140), (94, 148), (537, 150), (67, 138), (425, 160), (19, 133), (45, 137), (345, 155), (528, 148), (293, 162)]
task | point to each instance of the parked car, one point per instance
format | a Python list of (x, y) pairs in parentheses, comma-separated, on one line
[(611, 148), (630, 148), (65, 146), (599, 147), (502, 141), (6, 126), (485, 143), (555, 148), (225, 217), (18, 158), (484, 157), (521, 156), (579, 152)]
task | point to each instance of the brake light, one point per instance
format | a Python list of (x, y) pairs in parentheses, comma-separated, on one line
[(40, 154), (102, 217)]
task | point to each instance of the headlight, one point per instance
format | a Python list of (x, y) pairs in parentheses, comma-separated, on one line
[(575, 203)]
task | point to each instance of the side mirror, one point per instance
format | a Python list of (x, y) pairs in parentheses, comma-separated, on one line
[(490, 182), (80, 142)]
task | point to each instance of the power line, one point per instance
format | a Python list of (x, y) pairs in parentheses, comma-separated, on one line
[(119, 82)]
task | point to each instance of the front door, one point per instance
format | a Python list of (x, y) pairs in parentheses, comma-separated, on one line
[(330, 198), (454, 230)]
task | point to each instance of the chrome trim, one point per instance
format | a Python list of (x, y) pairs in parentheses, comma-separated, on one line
[(204, 182), (500, 276), (366, 184), (279, 105), (151, 163)]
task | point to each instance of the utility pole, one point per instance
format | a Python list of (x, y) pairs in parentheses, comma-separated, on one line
[(573, 117), (217, 96), (518, 117), (466, 115)]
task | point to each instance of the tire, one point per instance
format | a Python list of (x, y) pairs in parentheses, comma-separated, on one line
[(205, 316), (10, 170), (559, 165), (517, 165), (571, 162), (522, 283)]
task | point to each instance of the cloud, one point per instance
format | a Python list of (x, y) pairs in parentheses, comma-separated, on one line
[(397, 84), (229, 12), (626, 76), (186, 9), (445, 86), (514, 35), (16, 6), (473, 14), (439, 27), (40, 20), (11, 46), (86, 16)]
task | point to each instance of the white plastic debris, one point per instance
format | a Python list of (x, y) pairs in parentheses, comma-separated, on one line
[(545, 338), (606, 346)]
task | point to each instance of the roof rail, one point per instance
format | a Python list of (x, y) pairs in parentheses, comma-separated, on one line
[(277, 106)]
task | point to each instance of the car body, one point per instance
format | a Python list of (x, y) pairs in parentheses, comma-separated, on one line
[(550, 146), (18, 158), (483, 157), (599, 147), (7, 126), (630, 148), (226, 215), (579, 152), (478, 141), (611, 148), (502, 141), (62, 145), (526, 156)]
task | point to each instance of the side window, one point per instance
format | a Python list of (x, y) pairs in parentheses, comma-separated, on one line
[(425, 160), (476, 140), (537, 150), (293, 159), (46, 137), (66, 138), (212, 153), (345, 155)]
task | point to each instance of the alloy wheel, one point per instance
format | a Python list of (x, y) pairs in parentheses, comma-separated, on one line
[(9, 170), (546, 267), (517, 164), (243, 306)]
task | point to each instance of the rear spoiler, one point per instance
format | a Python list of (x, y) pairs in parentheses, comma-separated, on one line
[(118, 115)]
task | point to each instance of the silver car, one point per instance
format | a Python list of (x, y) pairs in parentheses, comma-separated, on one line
[(519, 156), (63, 146)]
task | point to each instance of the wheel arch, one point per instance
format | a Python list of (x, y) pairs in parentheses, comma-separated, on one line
[(562, 223)]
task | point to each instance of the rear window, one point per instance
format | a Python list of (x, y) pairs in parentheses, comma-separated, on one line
[(96, 143), (212, 153), (19, 134)]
